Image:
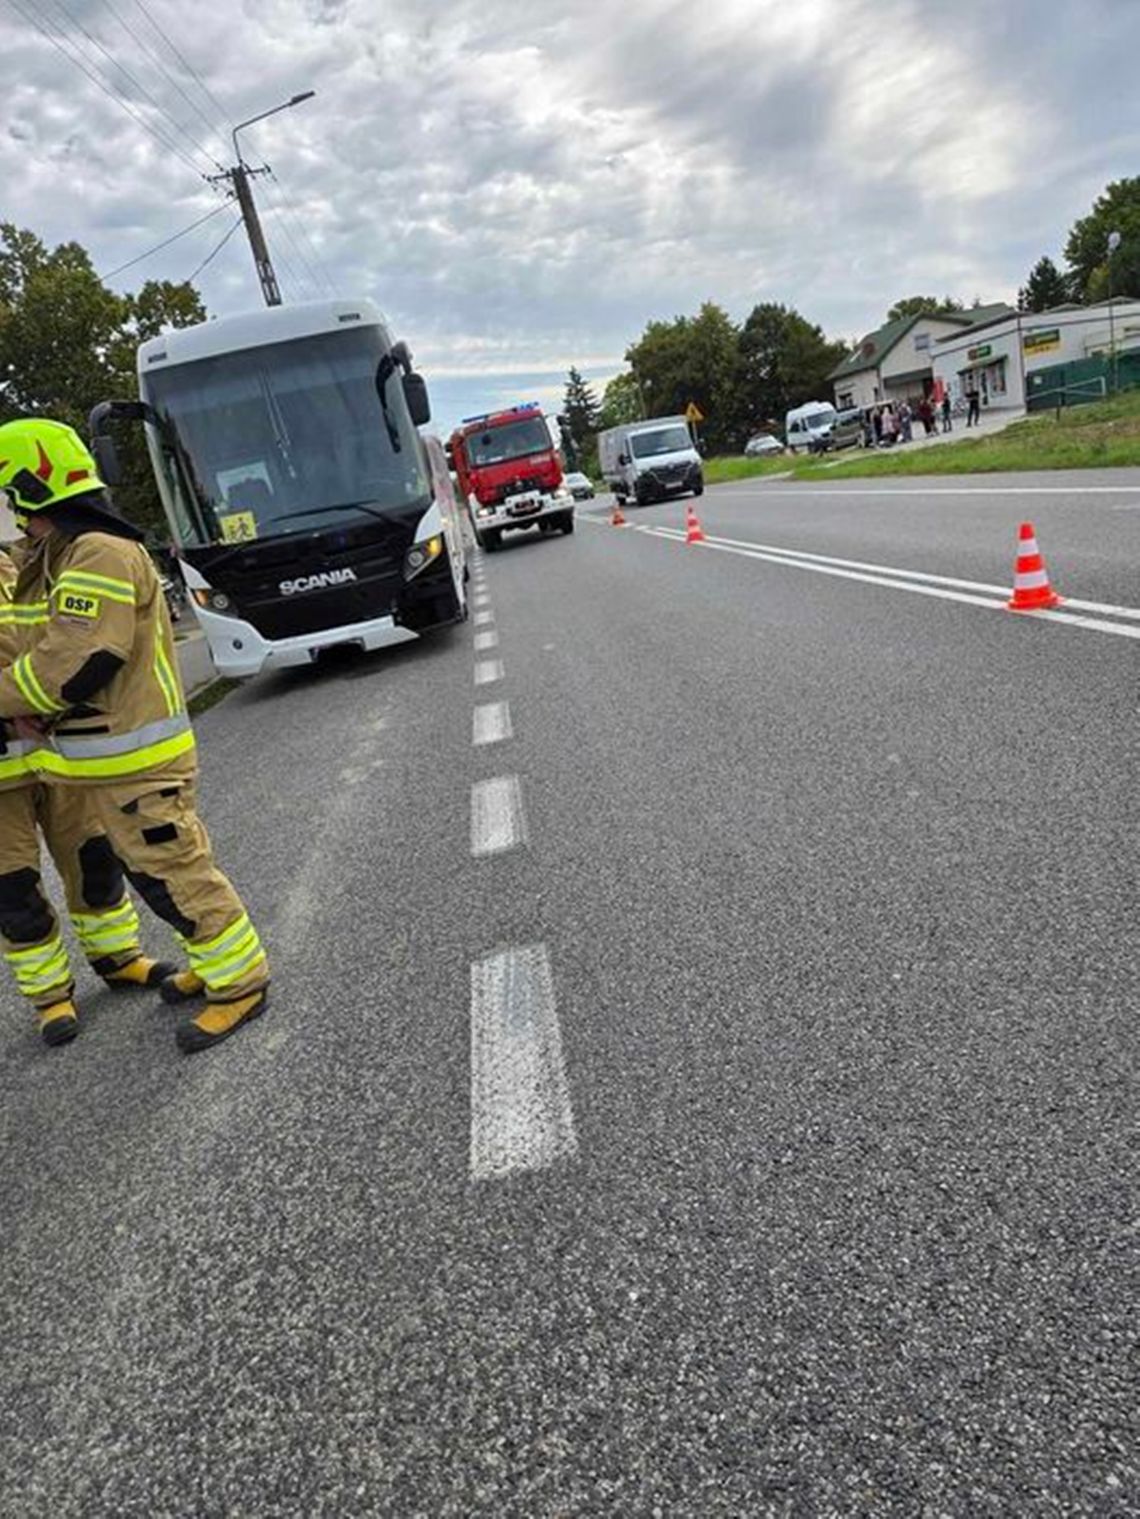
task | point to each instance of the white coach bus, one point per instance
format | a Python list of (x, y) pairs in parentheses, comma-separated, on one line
[(306, 508)]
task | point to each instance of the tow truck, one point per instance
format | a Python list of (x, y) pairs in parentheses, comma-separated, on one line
[(508, 467)]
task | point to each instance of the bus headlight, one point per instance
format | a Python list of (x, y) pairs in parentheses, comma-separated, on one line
[(213, 601), (422, 554)]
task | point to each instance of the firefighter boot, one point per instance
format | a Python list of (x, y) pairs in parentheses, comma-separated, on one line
[(141, 972), (59, 1023), (218, 1020), (183, 986)]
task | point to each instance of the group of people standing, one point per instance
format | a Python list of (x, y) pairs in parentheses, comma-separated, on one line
[(894, 421)]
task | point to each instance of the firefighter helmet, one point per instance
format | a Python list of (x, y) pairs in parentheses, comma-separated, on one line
[(42, 464)]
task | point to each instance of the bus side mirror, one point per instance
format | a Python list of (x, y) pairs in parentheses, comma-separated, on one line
[(107, 458), (416, 395)]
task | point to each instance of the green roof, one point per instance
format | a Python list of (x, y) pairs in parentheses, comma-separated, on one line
[(982, 316), (876, 345)]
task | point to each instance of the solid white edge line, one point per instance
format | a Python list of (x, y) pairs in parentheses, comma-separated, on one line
[(1120, 629), (487, 671), (1105, 608), (498, 822), (488, 639), (944, 490), (491, 723), (521, 1115)]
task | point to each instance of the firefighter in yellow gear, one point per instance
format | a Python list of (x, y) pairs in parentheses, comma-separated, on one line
[(101, 912), (101, 682)]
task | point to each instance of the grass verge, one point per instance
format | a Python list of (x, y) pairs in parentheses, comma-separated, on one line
[(1102, 436), (209, 695)]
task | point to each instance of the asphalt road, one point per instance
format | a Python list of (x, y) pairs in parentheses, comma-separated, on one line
[(716, 1097)]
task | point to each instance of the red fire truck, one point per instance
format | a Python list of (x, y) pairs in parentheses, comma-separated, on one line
[(510, 472)]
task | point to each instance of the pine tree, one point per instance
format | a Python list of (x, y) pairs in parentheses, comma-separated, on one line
[(580, 407), (1045, 287)]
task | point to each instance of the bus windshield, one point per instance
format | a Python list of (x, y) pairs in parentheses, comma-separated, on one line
[(284, 438)]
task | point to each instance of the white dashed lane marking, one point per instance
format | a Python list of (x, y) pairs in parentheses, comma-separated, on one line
[(487, 671), (486, 640), (521, 1117), (498, 822), (484, 617), (492, 723)]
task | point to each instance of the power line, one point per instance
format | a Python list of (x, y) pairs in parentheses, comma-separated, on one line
[(158, 247), (187, 65), (162, 68), (210, 257), (159, 136), (288, 209), (141, 88), (298, 252)]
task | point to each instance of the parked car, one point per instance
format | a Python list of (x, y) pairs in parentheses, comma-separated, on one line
[(580, 486), (846, 431), (763, 443)]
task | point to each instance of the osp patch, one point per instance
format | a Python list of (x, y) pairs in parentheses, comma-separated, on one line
[(71, 604)]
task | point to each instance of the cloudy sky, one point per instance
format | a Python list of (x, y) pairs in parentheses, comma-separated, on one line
[(523, 187)]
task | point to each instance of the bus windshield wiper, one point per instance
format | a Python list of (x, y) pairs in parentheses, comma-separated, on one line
[(321, 511)]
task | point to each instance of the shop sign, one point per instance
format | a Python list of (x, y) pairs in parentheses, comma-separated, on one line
[(1043, 340), (983, 351)]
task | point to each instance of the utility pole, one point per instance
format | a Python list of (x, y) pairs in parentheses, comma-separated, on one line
[(1113, 244), (239, 177)]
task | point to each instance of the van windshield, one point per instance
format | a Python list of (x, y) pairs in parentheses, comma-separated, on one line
[(662, 440), (820, 418)]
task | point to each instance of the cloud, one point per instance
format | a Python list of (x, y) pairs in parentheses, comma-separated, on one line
[(520, 188)]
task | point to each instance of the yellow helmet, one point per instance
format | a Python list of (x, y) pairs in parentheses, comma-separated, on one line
[(43, 463)]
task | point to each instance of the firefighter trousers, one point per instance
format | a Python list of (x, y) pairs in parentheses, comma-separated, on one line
[(156, 832), (102, 914)]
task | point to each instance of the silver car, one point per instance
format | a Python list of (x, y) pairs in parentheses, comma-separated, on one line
[(763, 443)]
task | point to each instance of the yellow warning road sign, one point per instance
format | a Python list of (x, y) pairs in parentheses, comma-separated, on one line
[(693, 413)]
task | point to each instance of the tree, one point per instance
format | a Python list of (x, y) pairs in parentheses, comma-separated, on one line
[(580, 406), (784, 361), (1045, 287), (58, 326), (923, 305), (67, 341), (620, 402), (1117, 209), (692, 359)]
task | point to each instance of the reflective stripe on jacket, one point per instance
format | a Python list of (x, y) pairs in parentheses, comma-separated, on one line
[(14, 751), (97, 662)]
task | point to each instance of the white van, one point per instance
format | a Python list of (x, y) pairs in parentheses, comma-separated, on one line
[(650, 460), (809, 426)]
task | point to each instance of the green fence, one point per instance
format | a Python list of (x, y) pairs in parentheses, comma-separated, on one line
[(1081, 380)]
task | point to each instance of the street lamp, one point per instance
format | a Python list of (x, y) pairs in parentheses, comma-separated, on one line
[(284, 106), (1113, 244), (240, 176)]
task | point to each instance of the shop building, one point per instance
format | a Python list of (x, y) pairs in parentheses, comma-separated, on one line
[(1040, 356), (895, 363)]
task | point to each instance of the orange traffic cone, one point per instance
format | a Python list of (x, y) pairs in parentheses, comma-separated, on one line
[(694, 533), (617, 516), (1031, 589)]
